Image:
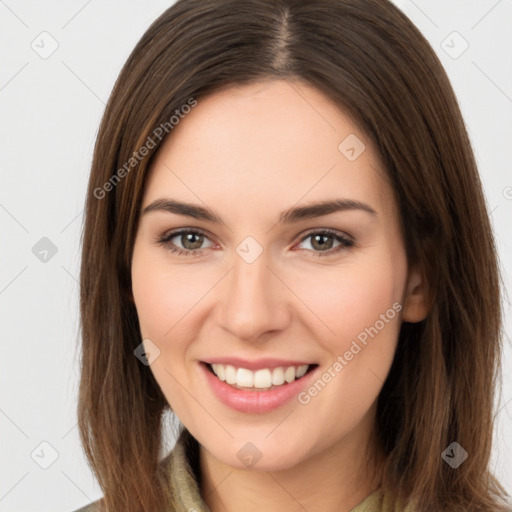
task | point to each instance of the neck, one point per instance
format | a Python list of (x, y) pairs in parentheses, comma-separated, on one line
[(334, 480)]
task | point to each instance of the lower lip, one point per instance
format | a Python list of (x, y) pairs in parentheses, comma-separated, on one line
[(255, 401)]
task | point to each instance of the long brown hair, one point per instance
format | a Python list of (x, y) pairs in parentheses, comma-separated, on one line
[(370, 59)]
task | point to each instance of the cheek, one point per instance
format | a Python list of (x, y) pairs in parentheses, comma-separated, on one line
[(348, 299), (164, 297), (163, 294), (359, 308)]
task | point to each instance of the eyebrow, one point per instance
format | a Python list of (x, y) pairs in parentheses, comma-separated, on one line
[(290, 216)]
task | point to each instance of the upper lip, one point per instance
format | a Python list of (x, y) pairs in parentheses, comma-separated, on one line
[(256, 364)]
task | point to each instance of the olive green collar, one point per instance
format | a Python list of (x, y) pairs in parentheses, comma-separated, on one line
[(184, 486)]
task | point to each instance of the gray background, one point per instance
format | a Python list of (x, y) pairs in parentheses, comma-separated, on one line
[(50, 107)]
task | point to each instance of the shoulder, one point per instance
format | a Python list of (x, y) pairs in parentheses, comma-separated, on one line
[(380, 501), (91, 507)]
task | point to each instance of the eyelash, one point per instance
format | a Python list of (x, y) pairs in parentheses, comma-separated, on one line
[(345, 242)]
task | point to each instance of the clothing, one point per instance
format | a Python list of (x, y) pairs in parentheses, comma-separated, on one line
[(183, 466)]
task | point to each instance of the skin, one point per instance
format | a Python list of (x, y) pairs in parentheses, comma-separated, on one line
[(248, 153)]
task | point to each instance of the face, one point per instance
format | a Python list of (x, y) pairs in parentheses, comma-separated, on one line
[(237, 273)]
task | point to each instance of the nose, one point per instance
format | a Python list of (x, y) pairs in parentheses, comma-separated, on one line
[(255, 301)]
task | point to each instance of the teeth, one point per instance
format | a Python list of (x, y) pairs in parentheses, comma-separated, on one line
[(260, 379), (301, 371), (244, 378), (278, 376), (230, 374), (289, 374), (220, 371)]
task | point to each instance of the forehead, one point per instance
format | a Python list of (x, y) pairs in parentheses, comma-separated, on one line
[(265, 146)]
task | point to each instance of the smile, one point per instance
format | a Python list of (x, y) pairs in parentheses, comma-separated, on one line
[(265, 388), (263, 379)]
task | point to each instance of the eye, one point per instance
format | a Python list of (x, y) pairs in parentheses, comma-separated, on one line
[(191, 241), (322, 242)]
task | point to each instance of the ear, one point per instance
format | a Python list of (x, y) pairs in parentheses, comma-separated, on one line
[(415, 300)]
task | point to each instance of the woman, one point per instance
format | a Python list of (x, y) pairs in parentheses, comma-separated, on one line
[(286, 244)]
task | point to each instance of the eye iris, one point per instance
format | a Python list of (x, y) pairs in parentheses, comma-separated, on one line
[(189, 237), (323, 245)]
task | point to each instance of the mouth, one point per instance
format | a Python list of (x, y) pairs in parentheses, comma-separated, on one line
[(263, 379)]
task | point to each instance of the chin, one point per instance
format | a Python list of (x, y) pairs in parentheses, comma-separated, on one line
[(264, 455)]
